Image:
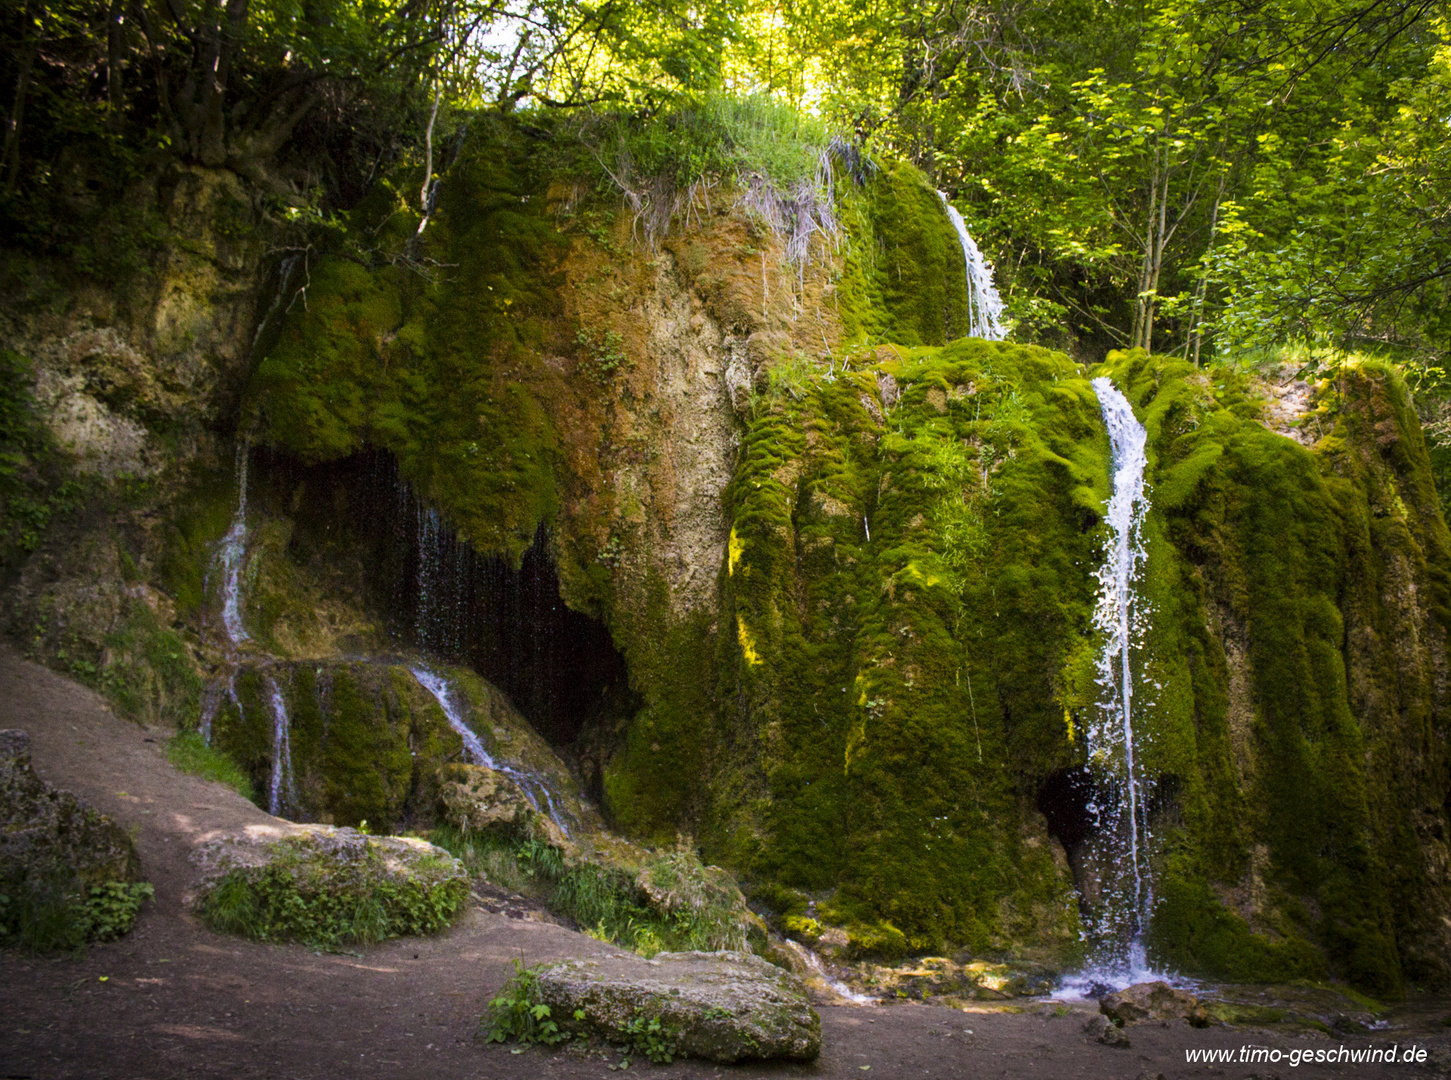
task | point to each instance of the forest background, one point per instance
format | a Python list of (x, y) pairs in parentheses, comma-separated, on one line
[(1219, 179)]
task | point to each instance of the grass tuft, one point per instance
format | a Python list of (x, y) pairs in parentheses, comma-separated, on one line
[(190, 753)]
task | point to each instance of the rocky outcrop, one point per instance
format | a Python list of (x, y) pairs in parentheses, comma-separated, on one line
[(324, 886), (1146, 1002), (47, 834), (724, 1006)]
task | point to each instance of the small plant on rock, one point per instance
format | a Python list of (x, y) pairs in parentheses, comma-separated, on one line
[(518, 1014)]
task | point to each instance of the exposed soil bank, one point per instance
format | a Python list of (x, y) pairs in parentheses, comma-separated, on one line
[(174, 999)]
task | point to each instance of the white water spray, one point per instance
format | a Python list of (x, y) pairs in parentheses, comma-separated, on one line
[(281, 786), (817, 968), (984, 305), (231, 552), (530, 784), (1118, 806)]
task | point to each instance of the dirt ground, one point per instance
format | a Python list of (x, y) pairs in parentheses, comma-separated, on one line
[(173, 999)]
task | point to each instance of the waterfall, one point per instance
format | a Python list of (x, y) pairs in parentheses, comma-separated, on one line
[(530, 784), (281, 785), (231, 552), (1119, 788), (817, 968), (984, 306)]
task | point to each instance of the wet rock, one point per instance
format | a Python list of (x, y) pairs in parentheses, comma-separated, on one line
[(1102, 1029), (724, 1006), (48, 835), (1149, 1001), (973, 980), (479, 799)]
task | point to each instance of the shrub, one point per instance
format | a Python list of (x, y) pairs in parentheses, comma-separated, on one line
[(59, 913)]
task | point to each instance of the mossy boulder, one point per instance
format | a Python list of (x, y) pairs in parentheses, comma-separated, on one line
[(722, 1006), (46, 832), (327, 886), (68, 874)]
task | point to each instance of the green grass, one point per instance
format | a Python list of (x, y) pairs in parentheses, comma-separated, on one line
[(189, 753), (693, 907)]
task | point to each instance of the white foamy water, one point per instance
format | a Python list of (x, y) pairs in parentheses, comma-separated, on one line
[(985, 306), (1118, 805)]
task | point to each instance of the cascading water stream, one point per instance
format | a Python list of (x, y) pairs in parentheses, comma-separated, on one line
[(531, 785), (281, 786), (231, 552), (817, 968), (985, 306), (1118, 805)]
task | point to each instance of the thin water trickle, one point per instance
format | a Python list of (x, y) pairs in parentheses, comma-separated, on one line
[(231, 552), (985, 306), (530, 784), (817, 968), (281, 787)]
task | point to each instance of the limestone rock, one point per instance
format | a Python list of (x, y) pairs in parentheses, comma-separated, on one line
[(329, 849), (1102, 1029), (46, 833), (478, 799), (724, 1006), (1149, 1001)]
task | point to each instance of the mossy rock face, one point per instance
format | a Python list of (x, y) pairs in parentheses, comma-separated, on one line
[(902, 692), (862, 641), (366, 741)]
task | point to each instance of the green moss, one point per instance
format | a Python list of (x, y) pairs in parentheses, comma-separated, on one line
[(1193, 931), (419, 365)]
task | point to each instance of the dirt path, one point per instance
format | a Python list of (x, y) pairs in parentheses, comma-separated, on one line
[(174, 999)]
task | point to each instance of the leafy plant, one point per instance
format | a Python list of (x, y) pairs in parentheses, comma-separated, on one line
[(603, 355), (518, 1014), (301, 896), (649, 1036), (57, 913)]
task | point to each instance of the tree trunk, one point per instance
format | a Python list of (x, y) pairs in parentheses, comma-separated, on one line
[(10, 159)]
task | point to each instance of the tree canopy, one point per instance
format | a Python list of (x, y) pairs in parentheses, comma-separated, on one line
[(1194, 177)]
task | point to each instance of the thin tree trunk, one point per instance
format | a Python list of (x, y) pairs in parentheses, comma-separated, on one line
[(1160, 241), (1204, 278), (10, 160), (425, 191), (115, 88)]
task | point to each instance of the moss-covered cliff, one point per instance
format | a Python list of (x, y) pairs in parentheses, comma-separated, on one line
[(847, 562)]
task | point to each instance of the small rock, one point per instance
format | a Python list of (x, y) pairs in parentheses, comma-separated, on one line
[(1149, 1001), (1102, 1029), (724, 1006)]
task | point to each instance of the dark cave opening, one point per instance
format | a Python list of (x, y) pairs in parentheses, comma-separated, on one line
[(558, 666), (1066, 799)]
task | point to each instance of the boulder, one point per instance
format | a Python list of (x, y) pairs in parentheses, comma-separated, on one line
[(324, 885), (478, 799), (1150, 1001), (48, 835), (1102, 1029), (724, 1006)]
